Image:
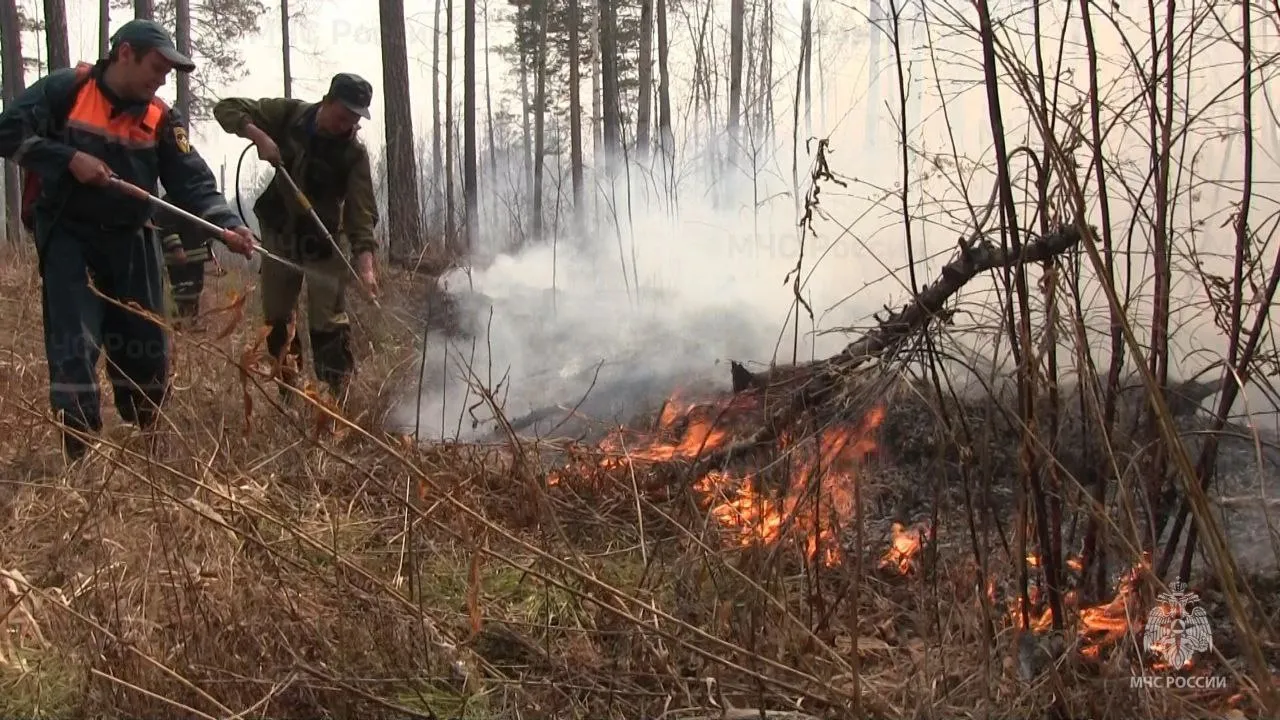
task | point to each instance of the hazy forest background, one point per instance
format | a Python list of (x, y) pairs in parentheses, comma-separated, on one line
[(670, 184)]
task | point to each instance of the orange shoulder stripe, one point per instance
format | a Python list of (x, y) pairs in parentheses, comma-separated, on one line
[(92, 113)]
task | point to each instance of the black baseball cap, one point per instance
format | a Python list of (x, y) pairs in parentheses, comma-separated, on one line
[(151, 35), (353, 91)]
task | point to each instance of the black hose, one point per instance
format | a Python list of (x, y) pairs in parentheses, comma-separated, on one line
[(239, 165)]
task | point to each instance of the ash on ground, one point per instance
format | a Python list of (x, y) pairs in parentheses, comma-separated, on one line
[(930, 459)]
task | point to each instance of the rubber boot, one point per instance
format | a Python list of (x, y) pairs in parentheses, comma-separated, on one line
[(334, 361)]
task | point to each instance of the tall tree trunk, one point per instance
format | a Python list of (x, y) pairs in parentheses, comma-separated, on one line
[(104, 27), (875, 20), (470, 189), (145, 9), (523, 15), (665, 135), (806, 25), (540, 117), (702, 71), (488, 100), (765, 111), (437, 132), (597, 115), (182, 22), (404, 222), (14, 82), (55, 28), (735, 71), (609, 87), (450, 229), (644, 103), (285, 50), (751, 89), (575, 112)]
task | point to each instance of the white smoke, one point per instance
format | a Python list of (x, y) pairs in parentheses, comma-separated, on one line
[(696, 292)]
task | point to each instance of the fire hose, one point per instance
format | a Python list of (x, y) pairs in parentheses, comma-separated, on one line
[(305, 203), (409, 323), (219, 232)]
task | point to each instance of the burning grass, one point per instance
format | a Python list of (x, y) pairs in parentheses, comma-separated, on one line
[(269, 565)]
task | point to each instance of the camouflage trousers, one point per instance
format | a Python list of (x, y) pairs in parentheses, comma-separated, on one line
[(328, 325), (187, 284), (186, 274)]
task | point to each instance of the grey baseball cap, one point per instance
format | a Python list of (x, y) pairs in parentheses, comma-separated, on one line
[(151, 35), (352, 91)]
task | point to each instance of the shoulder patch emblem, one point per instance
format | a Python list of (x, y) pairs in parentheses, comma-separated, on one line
[(180, 137)]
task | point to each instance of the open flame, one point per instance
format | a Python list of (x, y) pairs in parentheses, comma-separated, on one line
[(814, 494), (903, 548), (1098, 627)]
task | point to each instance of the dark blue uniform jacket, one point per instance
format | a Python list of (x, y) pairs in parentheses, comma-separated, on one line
[(29, 135)]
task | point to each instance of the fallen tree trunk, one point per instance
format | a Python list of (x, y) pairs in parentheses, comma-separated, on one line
[(810, 385), (976, 256)]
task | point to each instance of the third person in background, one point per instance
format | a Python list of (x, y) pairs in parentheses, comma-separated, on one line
[(185, 254), (316, 143)]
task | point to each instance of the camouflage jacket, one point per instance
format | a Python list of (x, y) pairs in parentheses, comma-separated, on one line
[(334, 174)]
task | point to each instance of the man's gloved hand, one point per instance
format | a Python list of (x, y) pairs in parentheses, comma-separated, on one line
[(240, 240)]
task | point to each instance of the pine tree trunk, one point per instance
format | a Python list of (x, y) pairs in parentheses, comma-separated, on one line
[(285, 50), (764, 114), (644, 103), (735, 71), (437, 132), (526, 106), (404, 221), (597, 115), (182, 23), (104, 27), (540, 118), (750, 82), (488, 99), (575, 113), (666, 138), (55, 27), (450, 228), (609, 86), (14, 82), (470, 189), (145, 9), (806, 28)]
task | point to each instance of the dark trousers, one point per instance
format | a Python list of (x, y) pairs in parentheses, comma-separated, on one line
[(187, 281), (80, 327)]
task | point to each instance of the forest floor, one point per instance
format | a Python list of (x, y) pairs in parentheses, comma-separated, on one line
[(261, 561)]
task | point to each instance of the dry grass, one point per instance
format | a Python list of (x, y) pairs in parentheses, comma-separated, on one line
[(266, 570)]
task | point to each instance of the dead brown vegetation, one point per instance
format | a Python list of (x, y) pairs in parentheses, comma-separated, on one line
[(270, 569)]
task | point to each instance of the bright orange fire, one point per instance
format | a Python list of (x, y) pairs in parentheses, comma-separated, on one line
[(816, 491), (1098, 626), (904, 546)]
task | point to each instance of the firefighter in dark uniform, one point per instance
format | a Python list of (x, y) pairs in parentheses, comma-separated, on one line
[(76, 131), (316, 143), (185, 255)]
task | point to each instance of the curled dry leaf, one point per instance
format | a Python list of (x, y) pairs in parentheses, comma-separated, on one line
[(209, 513), (236, 308), (18, 609), (326, 412), (248, 359), (844, 645)]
